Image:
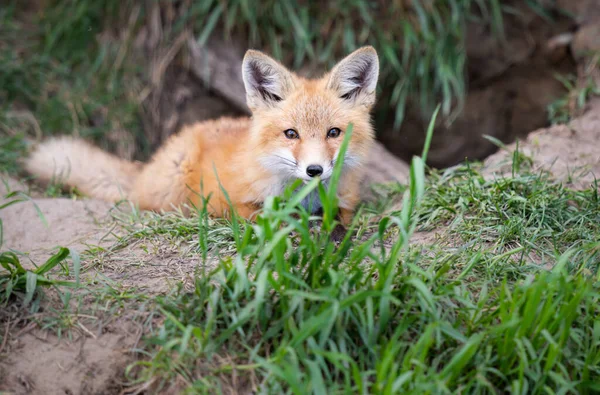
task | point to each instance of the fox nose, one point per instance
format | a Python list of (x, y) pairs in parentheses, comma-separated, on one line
[(314, 170)]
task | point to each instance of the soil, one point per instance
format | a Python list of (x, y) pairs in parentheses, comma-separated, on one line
[(510, 83), (41, 363), (69, 223)]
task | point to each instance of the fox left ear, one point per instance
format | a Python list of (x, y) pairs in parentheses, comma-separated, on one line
[(266, 80), (355, 76)]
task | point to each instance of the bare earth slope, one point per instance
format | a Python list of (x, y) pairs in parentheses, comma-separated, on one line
[(571, 153)]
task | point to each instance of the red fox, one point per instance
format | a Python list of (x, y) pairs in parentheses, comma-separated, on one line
[(295, 132)]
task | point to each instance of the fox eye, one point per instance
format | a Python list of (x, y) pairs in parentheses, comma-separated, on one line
[(334, 132), (291, 134)]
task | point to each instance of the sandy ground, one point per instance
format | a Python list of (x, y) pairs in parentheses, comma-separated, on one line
[(571, 153), (74, 224), (91, 361), (41, 363)]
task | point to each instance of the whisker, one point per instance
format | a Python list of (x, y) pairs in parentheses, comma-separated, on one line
[(286, 160)]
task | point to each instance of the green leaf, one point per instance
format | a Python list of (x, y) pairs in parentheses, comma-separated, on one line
[(30, 288)]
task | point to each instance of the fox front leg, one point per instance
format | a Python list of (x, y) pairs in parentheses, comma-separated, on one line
[(345, 218), (349, 199)]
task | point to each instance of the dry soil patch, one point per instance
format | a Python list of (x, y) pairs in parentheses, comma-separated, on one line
[(41, 363), (571, 153)]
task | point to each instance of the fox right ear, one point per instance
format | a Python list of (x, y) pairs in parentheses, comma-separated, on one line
[(355, 77), (266, 81)]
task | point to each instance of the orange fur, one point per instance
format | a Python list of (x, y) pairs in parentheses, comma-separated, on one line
[(252, 157)]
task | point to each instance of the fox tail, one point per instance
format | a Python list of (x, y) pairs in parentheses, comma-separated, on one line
[(75, 163)]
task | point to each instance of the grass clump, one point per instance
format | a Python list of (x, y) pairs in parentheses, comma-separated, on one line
[(579, 92), (292, 313), (15, 279), (526, 213)]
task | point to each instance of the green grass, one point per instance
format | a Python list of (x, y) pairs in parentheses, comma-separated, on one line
[(471, 312), (12, 148), (579, 92), (526, 211)]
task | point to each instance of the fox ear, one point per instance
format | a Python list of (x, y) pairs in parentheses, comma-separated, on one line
[(266, 81), (355, 77)]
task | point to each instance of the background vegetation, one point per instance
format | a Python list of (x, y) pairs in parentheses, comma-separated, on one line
[(70, 66)]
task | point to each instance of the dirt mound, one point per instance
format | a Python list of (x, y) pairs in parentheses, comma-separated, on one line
[(569, 152)]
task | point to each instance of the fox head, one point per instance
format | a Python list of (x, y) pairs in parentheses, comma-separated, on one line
[(299, 124)]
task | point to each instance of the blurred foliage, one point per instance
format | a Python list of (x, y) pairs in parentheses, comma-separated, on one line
[(61, 74), (68, 65)]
